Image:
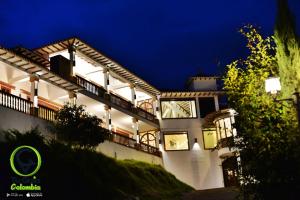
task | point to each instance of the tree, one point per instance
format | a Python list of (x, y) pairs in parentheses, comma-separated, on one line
[(287, 50), (75, 126), (268, 138)]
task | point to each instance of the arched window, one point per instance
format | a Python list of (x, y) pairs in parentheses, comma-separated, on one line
[(149, 138), (147, 107)]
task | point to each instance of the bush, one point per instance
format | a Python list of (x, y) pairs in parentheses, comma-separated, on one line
[(75, 126)]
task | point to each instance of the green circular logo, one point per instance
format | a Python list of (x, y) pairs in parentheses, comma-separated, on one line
[(25, 161)]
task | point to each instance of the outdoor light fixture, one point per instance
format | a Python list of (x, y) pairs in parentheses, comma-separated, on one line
[(272, 85), (196, 146), (159, 141)]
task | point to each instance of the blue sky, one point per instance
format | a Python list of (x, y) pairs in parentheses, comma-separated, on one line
[(162, 41)]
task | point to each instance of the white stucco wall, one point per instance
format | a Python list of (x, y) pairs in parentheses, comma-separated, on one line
[(11, 119), (197, 167), (203, 84)]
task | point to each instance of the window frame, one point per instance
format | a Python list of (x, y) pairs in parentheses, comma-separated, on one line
[(218, 120), (203, 130), (178, 99), (176, 133)]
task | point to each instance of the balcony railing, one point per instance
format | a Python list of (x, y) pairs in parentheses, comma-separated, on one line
[(150, 149), (46, 113), (130, 142), (120, 102), (14, 102), (114, 99), (91, 87), (141, 112), (25, 106), (123, 140)]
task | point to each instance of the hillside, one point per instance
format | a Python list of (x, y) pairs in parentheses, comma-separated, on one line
[(72, 173)]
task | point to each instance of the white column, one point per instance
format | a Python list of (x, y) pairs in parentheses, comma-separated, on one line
[(34, 79), (133, 95), (106, 79), (157, 138), (135, 125), (198, 107), (157, 108), (216, 102), (72, 98), (72, 50), (108, 117)]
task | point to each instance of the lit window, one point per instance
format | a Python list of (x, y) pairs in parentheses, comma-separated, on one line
[(228, 127), (222, 128), (210, 138), (172, 109), (176, 141)]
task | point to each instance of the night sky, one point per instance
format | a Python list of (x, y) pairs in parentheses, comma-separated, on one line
[(162, 41)]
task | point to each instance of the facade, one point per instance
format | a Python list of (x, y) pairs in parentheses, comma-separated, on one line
[(174, 129)]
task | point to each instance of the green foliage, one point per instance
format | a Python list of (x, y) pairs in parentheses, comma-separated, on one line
[(288, 50), (75, 126), (15, 137), (268, 137), (75, 173)]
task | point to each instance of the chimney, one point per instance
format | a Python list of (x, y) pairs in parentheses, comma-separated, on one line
[(61, 66)]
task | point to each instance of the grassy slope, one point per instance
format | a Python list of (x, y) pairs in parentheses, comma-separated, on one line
[(97, 176), (83, 174)]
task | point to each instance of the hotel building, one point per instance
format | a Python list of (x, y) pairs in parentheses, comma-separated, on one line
[(187, 132)]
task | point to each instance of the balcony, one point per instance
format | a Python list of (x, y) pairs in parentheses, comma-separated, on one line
[(25, 106), (114, 100), (131, 143)]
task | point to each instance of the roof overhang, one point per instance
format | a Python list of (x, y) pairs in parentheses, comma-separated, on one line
[(188, 94), (99, 58), (204, 77), (24, 64)]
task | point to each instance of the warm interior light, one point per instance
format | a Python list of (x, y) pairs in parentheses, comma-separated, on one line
[(210, 138), (272, 85)]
